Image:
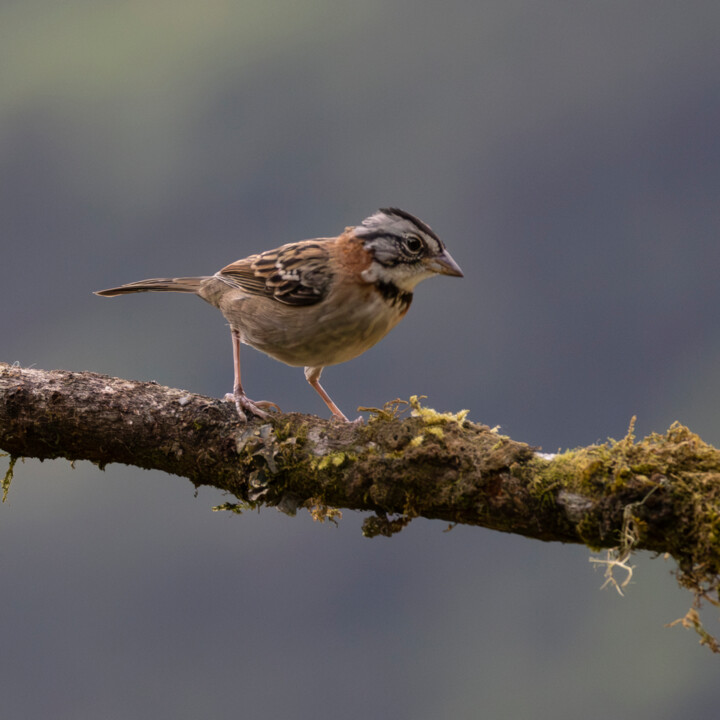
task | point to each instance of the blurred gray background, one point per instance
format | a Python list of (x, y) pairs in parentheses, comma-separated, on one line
[(568, 154)]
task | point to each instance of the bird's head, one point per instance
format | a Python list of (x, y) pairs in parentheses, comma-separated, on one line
[(404, 249)]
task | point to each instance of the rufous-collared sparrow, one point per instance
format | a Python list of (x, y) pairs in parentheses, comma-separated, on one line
[(318, 302)]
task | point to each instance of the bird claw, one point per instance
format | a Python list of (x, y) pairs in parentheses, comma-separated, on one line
[(267, 405), (244, 403), (345, 421)]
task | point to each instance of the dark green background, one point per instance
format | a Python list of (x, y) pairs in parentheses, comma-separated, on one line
[(568, 154)]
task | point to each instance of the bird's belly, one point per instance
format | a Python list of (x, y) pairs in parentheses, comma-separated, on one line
[(318, 335)]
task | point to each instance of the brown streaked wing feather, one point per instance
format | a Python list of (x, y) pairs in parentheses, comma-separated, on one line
[(295, 274), (240, 274)]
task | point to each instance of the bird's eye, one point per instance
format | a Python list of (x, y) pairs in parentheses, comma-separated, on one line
[(413, 244)]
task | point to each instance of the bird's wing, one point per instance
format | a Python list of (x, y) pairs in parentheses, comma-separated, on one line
[(294, 274)]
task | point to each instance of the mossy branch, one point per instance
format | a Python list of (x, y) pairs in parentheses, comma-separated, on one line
[(661, 493)]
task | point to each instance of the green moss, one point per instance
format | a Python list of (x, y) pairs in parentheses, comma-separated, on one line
[(9, 473), (381, 525), (676, 473), (335, 459), (320, 512), (661, 492), (395, 408), (236, 508), (588, 529), (433, 417)]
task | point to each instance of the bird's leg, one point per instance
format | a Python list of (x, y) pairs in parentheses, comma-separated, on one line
[(312, 375), (242, 401)]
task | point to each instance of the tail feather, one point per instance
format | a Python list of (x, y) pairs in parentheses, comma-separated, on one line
[(183, 284)]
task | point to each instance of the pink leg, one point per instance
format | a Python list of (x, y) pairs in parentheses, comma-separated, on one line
[(312, 375), (242, 401)]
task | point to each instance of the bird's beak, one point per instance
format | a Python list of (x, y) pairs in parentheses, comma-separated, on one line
[(445, 265)]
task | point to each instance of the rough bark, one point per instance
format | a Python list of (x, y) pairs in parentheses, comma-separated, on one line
[(660, 494)]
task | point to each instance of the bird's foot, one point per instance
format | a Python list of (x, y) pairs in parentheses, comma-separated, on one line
[(244, 404), (340, 417)]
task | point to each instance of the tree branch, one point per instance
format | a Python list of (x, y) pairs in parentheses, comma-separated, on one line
[(660, 494)]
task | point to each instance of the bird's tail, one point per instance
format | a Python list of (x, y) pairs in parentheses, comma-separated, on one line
[(183, 284)]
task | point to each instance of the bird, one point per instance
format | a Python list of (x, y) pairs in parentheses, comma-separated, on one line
[(319, 302)]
